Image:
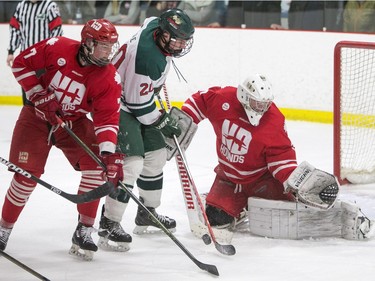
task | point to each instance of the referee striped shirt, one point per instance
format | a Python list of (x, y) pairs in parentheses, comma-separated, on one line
[(32, 23)]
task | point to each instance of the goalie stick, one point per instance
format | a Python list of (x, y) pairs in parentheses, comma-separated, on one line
[(23, 266), (192, 208), (190, 198), (92, 195), (207, 267)]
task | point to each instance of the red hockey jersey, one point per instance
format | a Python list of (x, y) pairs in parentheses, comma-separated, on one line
[(52, 64), (245, 152)]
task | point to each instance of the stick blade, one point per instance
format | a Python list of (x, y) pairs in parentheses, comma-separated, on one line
[(228, 250), (209, 268), (97, 193)]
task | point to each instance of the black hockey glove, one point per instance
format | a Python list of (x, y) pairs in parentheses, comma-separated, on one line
[(168, 125)]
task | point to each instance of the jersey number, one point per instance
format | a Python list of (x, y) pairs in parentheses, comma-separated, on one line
[(32, 53), (146, 89)]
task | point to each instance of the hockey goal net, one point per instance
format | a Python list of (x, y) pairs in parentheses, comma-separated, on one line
[(354, 112)]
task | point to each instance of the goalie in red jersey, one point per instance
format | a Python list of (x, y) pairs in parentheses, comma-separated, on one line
[(258, 165), (68, 78)]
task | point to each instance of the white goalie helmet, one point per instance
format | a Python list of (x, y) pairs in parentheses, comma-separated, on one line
[(256, 96)]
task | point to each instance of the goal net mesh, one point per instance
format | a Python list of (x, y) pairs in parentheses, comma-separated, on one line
[(355, 112)]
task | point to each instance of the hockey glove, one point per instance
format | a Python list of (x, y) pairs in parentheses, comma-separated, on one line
[(313, 187), (168, 125), (113, 162), (47, 106), (188, 129)]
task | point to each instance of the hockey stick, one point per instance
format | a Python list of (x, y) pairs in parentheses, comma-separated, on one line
[(23, 266), (193, 210), (207, 267), (224, 249), (92, 195)]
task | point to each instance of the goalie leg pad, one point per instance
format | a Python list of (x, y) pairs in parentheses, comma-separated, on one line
[(292, 220), (188, 130), (355, 225)]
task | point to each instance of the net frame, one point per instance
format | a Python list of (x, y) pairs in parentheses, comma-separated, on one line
[(354, 112)]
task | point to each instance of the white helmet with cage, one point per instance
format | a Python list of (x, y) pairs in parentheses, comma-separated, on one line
[(256, 96)]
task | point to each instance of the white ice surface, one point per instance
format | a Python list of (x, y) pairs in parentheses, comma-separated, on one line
[(42, 236)]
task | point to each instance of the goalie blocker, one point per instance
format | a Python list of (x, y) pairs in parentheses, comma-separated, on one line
[(188, 130)]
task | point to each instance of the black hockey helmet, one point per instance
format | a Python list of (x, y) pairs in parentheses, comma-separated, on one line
[(177, 23), (180, 28)]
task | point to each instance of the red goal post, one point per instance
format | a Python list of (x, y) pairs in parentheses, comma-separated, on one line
[(354, 112)]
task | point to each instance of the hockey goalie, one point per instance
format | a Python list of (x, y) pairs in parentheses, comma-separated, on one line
[(258, 179)]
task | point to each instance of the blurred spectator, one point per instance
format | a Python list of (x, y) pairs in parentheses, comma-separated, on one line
[(235, 14), (7, 9), (100, 8), (285, 5), (124, 12), (315, 15), (254, 14), (32, 22), (76, 11), (156, 8), (221, 8), (201, 13), (359, 16)]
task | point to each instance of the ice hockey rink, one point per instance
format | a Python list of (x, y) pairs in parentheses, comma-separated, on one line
[(42, 237)]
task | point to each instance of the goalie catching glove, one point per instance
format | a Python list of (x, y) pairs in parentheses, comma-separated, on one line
[(313, 187), (167, 125), (188, 130)]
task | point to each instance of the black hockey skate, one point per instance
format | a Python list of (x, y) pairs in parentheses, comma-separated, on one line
[(4, 237), (112, 231), (223, 231), (143, 220), (83, 245)]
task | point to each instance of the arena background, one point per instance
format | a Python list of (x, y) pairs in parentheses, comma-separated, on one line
[(299, 64)]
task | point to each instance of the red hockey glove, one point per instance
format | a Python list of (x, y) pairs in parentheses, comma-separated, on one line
[(168, 125), (114, 163), (47, 106)]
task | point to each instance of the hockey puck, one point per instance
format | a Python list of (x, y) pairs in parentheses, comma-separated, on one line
[(206, 239)]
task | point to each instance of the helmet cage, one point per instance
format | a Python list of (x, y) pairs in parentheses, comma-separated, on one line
[(256, 96), (177, 24), (99, 40), (100, 53), (259, 106), (177, 47)]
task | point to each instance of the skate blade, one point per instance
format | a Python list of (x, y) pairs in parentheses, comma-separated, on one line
[(242, 226), (107, 245), (148, 229), (85, 255)]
